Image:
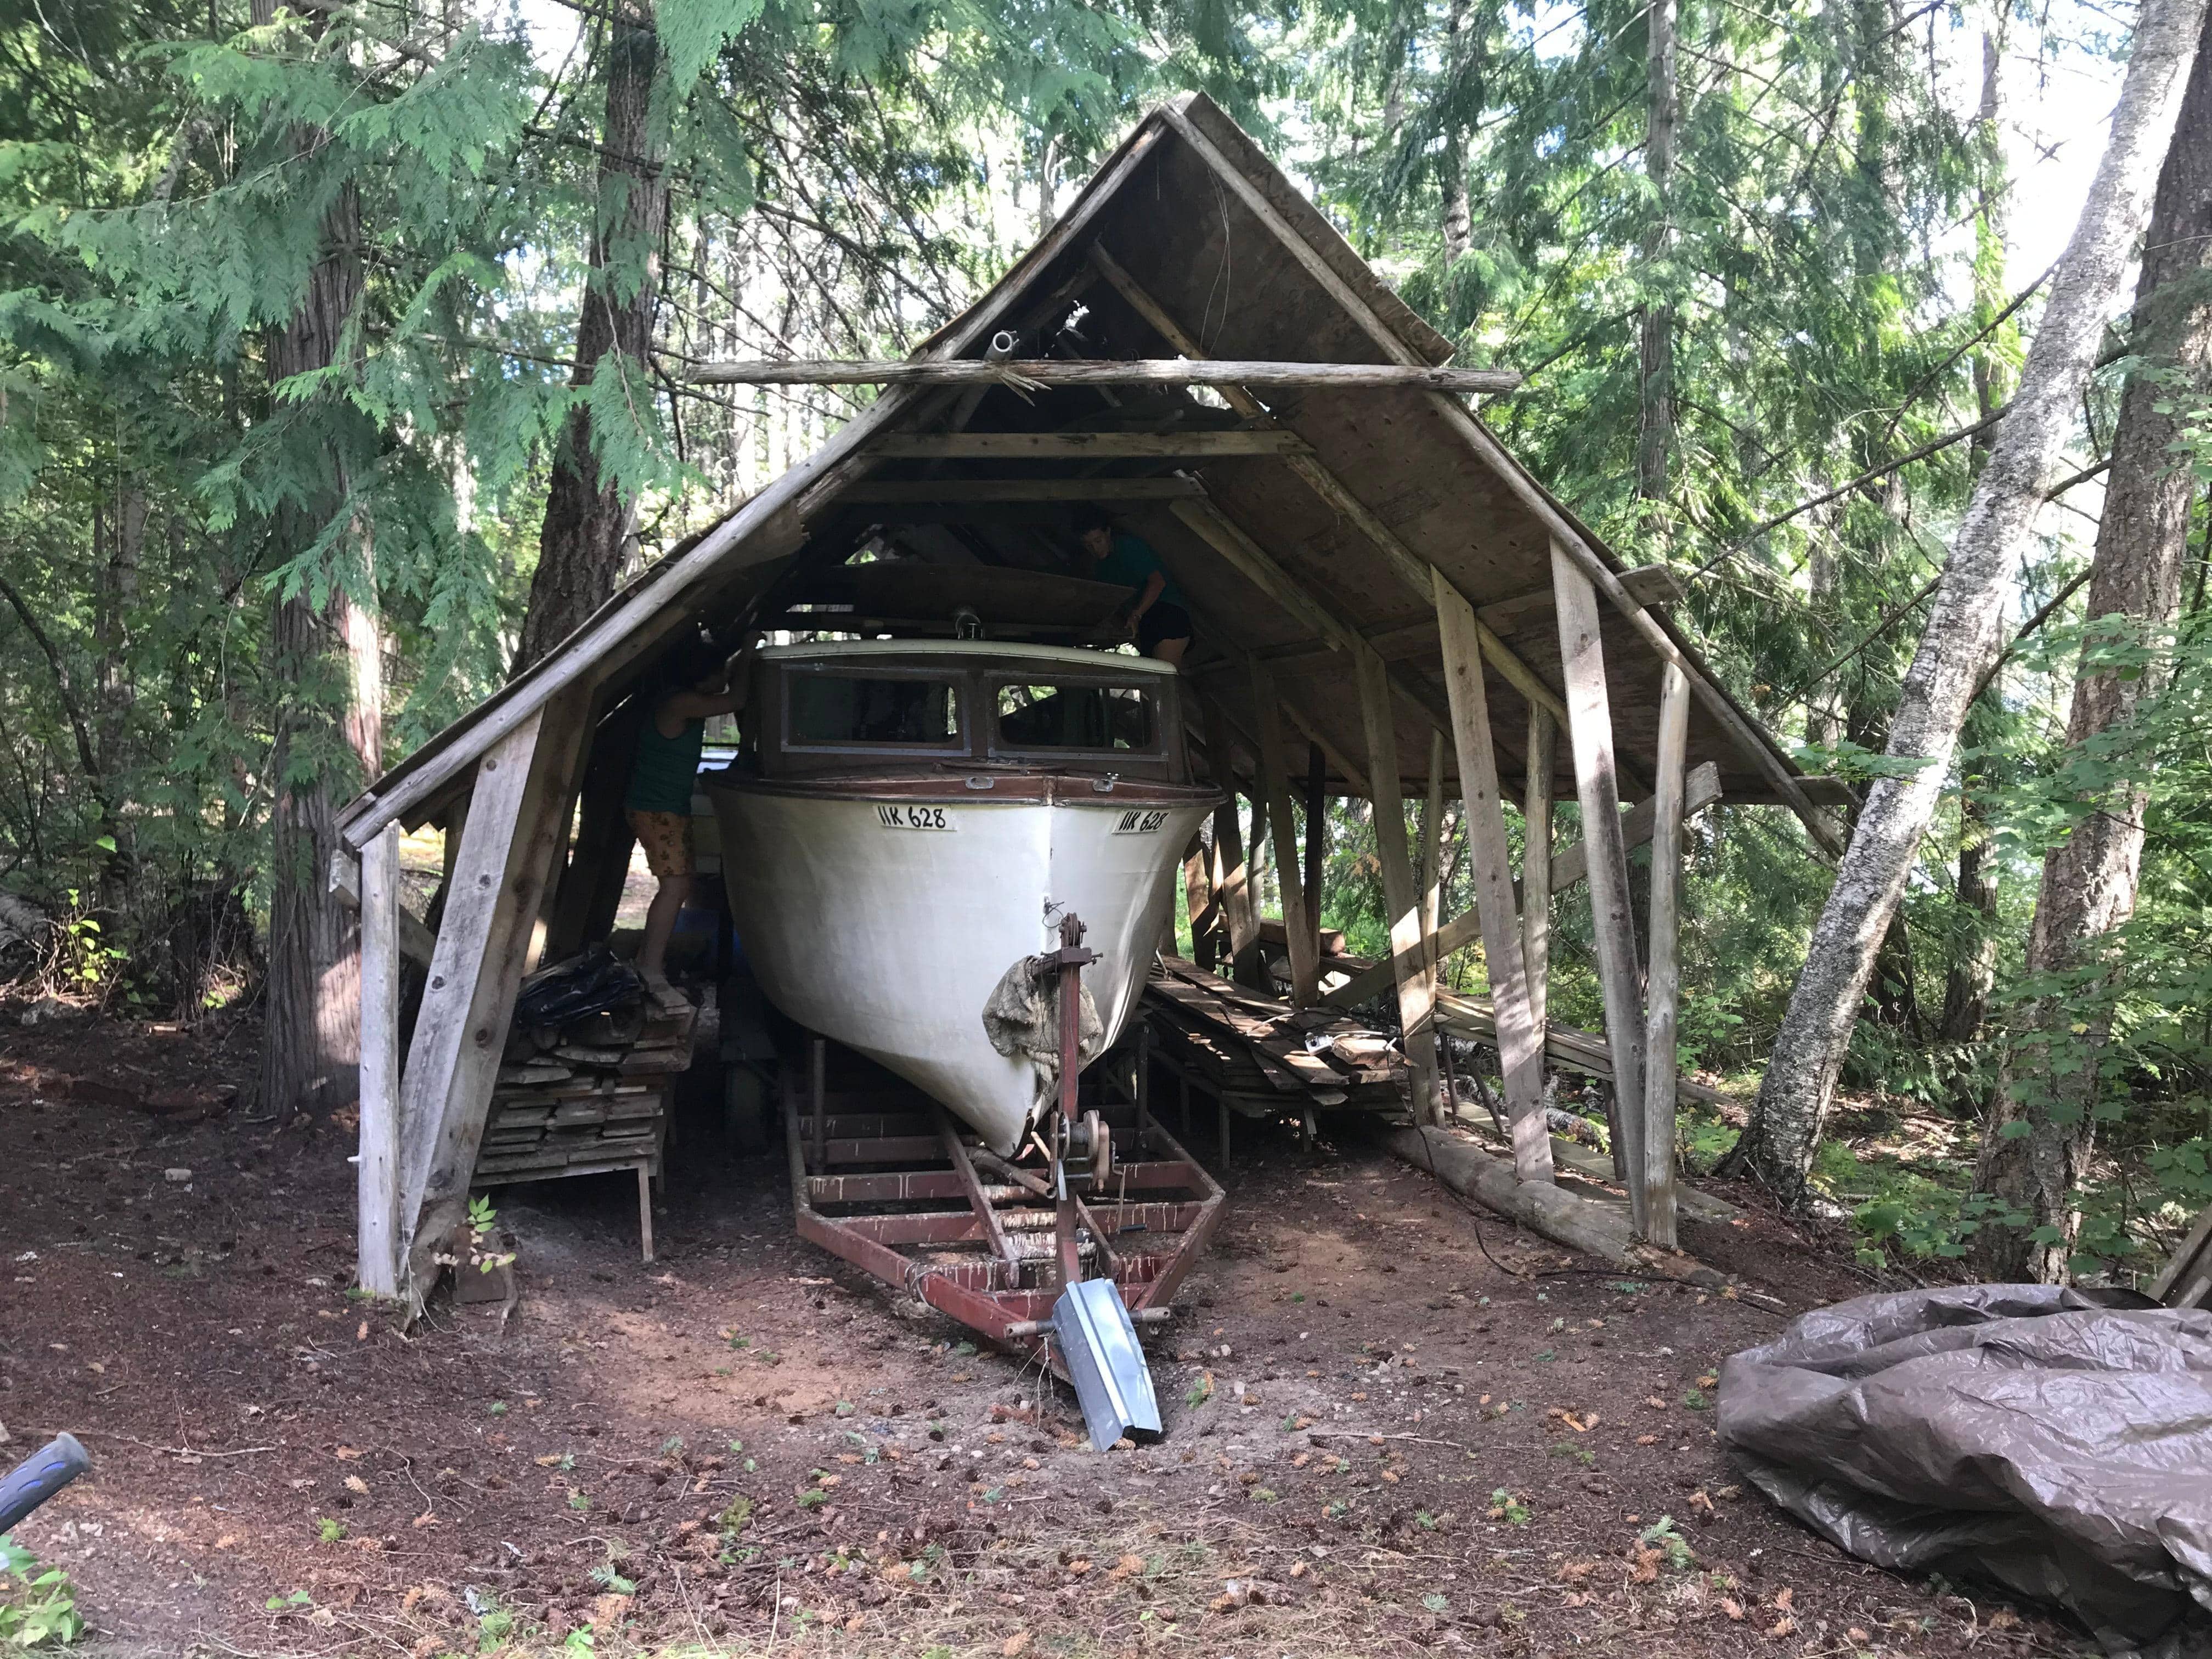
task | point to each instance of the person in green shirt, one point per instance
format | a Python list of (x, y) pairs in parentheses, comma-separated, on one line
[(695, 682), (1155, 616)]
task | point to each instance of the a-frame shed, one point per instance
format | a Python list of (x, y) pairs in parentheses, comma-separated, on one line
[(1370, 571)]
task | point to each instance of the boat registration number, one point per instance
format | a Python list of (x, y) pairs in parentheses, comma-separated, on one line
[(1139, 822), (914, 817)]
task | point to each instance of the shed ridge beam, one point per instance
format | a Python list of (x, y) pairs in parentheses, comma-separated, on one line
[(1169, 445), (893, 491), (1563, 532), (1028, 373)]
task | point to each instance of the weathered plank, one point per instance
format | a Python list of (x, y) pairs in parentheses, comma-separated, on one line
[(1520, 1047), (522, 794), (1070, 371), (1300, 940), (1084, 445), (1535, 895), (1589, 733), (377, 1177), (1022, 490), (1232, 892), (1416, 984), (1663, 974)]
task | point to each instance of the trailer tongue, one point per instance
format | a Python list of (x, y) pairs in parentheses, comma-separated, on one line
[(1057, 1253)]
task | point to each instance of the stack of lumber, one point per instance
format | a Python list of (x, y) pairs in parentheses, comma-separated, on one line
[(1259, 1056), (587, 1096)]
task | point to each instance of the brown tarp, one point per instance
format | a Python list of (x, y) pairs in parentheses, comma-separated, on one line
[(2055, 1441)]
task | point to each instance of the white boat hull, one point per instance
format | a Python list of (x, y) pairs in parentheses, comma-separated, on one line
[(886, 923)]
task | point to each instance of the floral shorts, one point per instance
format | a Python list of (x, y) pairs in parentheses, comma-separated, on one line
[(666, 838)]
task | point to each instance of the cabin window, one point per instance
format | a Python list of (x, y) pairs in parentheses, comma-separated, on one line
[(838, 710), (1116, 719)]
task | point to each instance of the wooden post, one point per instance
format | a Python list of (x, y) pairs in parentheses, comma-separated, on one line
[(1663, 988), (1197, 894), (1249, 966), (522, 788), (1316, 837), (1232, 879), (377, 1184), (1536, 876), (604, 840), (1519, 1044), (818, 1095), (1432, 852), (1304, 943), (1416, 991), (1589, 731)]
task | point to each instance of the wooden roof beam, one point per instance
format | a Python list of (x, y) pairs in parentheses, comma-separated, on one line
[(1408, 565), (1027, 373), (1229, 539), (893, 491), (1086, 446)]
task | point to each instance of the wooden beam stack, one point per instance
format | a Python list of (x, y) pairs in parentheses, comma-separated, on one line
[(1259, 1057), (587, 1096)]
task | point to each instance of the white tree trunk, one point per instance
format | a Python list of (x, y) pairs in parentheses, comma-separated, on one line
[(2052, 1074), (1965, 627)]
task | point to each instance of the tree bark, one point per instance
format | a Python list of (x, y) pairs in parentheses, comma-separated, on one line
[(587, 521), (330, 724), (1966, 623), (1656, 337), (2043, 1129), (1458, 217), (1974, 949)]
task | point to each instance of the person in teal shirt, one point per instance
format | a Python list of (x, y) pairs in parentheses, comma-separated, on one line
[(1155, 616), (694, 684)]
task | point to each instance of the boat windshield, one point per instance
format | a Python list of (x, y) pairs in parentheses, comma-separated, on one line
[(848, 708), (1105, 718)]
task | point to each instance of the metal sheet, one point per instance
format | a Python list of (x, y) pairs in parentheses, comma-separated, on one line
[(1099, 1344)]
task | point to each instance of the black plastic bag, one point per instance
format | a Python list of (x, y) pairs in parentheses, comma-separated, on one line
[(2055, 1441), (586, 983)]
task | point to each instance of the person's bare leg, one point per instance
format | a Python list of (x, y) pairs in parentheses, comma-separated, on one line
[(660, 927), (1171, 651)]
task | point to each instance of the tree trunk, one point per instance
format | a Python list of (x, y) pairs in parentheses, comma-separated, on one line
[(1974, 950), (1655, 341), (1965, 624), (2043, 1128), (1458, 213), (1974, 896), (587, 521), (329, 725)]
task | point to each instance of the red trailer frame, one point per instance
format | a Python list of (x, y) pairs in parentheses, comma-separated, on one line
[(884, 1178)]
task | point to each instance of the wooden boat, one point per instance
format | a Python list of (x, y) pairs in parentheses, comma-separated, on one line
[(915, 816)]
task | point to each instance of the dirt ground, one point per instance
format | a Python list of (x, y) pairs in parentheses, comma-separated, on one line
[(1393, 1425)]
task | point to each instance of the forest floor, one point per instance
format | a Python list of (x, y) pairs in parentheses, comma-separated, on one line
[(1394, 1425)]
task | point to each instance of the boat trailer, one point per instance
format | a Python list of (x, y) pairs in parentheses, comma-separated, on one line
[(1056, 1254)]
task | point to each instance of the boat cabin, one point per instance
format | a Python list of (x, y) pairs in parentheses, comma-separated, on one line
[(932, 707)]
